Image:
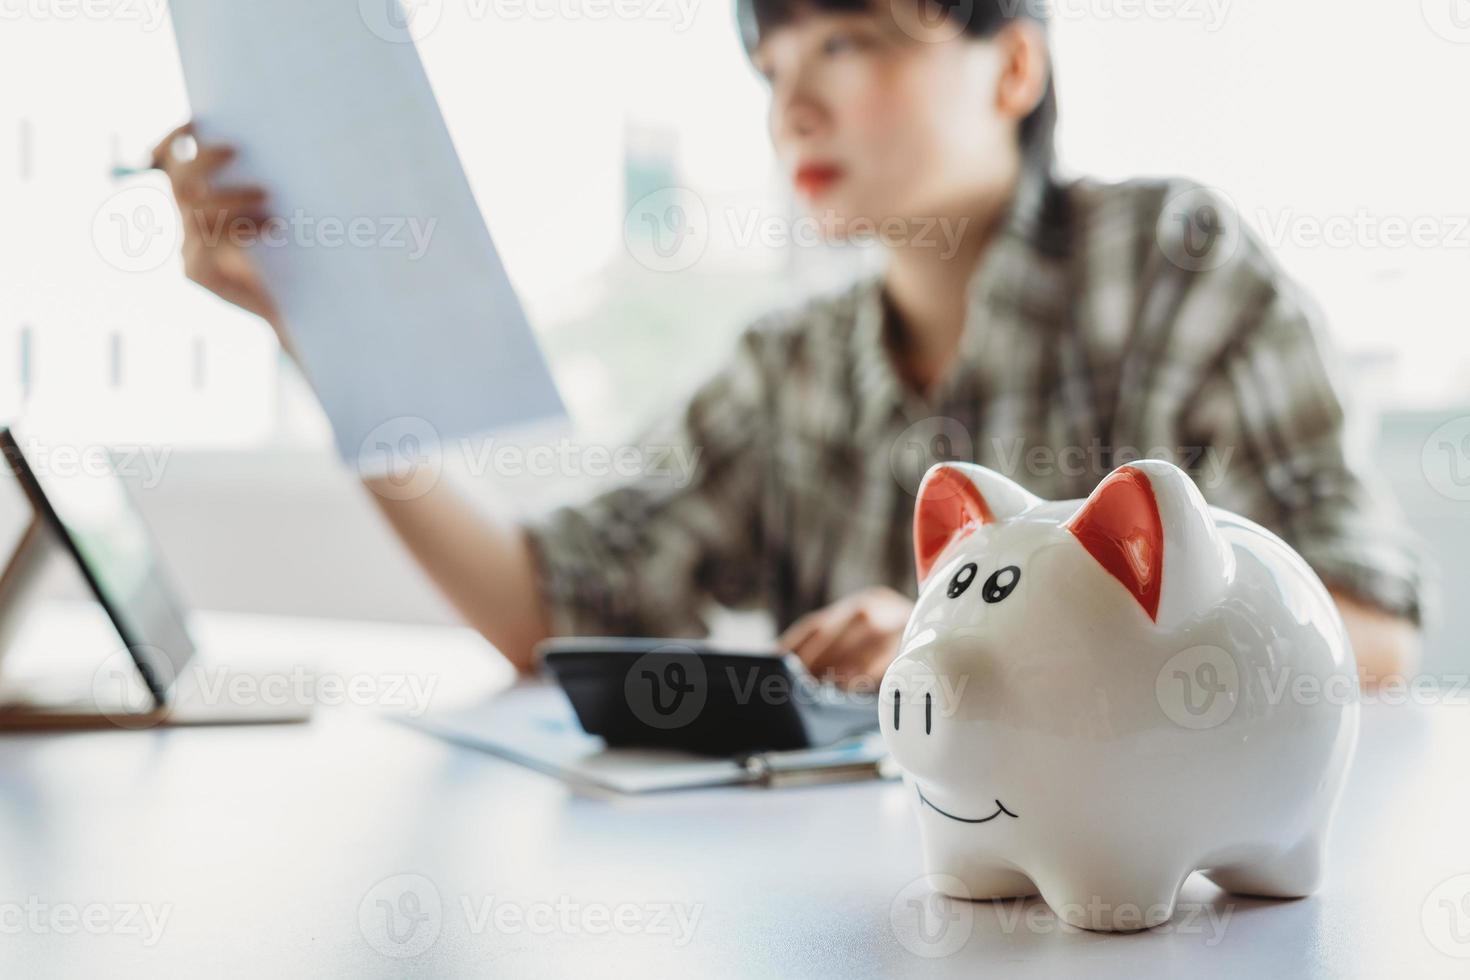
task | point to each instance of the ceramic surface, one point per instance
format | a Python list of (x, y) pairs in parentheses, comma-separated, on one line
[(1094, 699)]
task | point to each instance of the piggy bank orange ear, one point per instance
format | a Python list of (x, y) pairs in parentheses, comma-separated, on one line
[(1119, 525), (1149, 527), (954, 500)]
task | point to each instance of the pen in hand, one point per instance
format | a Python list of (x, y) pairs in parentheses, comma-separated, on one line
[(183, 142)]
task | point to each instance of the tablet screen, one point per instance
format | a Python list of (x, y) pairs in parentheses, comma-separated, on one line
[(89, 508)]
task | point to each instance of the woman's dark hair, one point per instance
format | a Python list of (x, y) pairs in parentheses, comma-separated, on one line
[(978, 18)]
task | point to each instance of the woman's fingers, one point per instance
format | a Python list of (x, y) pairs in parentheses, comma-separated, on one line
[(816, 642), (801, 634), (800, 631), (233, 199), (854, 637), (229, 202), (849, 648), (191, 178), (216, 220), (236, 211), (163, 153), (824, 645), (811, 634)]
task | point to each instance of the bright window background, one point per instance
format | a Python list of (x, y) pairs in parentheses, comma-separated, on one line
[(1308, 115)]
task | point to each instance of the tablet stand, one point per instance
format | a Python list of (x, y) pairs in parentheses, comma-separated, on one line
[(20, 579)]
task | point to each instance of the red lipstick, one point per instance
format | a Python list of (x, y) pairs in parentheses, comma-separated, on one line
[(815, 179)]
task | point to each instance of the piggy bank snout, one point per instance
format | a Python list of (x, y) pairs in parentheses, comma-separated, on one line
[(920, 710)]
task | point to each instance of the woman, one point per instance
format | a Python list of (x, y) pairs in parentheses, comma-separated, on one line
[(1077, 319)]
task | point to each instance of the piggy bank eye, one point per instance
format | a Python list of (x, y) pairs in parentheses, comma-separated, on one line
[(1001, 584), (962, 580)]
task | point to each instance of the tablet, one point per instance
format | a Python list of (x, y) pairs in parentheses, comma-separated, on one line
[(90, 515), (699, 697)]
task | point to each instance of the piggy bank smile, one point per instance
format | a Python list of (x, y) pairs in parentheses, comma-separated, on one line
[(1039, 676), (1000, 809)]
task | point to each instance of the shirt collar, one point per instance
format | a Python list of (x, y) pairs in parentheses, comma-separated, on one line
[(1021, 281)]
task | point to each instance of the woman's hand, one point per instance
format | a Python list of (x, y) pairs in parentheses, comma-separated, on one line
[(219, 222), (1387, 646), (853, 640)]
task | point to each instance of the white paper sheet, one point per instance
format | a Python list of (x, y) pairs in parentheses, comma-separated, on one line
[(392, 290), (533, 724)]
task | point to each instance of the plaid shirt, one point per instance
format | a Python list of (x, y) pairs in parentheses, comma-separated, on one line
[(1105, 322)]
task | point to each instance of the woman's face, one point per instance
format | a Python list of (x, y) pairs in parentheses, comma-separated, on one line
[(876, 121)]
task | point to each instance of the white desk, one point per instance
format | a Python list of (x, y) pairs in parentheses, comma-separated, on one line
[(266, 852)]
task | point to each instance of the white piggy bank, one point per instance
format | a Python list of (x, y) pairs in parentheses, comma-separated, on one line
[(1095, 698)]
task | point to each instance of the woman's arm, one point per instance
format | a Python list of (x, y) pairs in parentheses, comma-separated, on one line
[(1387, 645), (483, 564)]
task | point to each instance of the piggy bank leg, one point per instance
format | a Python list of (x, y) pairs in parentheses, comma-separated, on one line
[(981, 883), (1294, 874), (957, 871), (1123, 899)]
